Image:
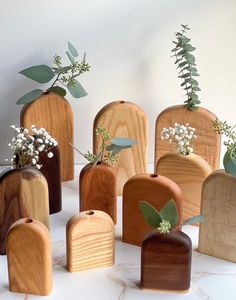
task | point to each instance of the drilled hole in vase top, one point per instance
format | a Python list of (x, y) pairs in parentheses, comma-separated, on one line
[(90, 213), (153, 175), (28, 221)]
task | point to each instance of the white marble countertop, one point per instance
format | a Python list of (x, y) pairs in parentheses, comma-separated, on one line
[(212, 278)]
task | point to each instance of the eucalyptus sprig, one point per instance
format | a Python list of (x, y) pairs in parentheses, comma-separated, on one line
[(63, 75), (185, 61), (168, 217)]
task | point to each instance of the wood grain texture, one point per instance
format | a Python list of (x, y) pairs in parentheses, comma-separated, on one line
[(90, 241), (155, 189), (52, 172), (54, 113), (217, 236), (23, 193), (97, 189), (29, 258), (125, 119), (166, 261), (208, 142), (189, 172)]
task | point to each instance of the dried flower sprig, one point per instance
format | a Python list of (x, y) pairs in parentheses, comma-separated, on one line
[(182, 135), (27, 148)]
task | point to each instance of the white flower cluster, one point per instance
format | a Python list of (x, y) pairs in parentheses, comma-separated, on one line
[(182, 135), (27, 148)]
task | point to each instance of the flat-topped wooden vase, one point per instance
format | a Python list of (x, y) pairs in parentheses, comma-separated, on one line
[(23, 193), (97, 189), (166, 261), (125, 119), (217, 236), (90, 240), (189, 172), (153, 188), (29, 258), (208, 141), (54, 113)]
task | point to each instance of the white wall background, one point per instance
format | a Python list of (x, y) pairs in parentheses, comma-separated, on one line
[(128, 45)]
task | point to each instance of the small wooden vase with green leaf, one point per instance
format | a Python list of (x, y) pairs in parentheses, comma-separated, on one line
[(166, 252)]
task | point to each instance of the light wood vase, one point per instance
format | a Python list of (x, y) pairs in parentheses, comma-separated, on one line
[(23, 193), (29, 258), (54, 113), (189, 172), (217, 236), (208, 141), (155, 189), (97, 189), (125, 119), (90, 240), (166, 261)]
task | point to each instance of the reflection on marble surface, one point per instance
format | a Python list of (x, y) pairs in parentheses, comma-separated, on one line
[(212, 278)]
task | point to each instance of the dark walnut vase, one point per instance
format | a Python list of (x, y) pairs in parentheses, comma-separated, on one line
[(97, 189), (166, 261)]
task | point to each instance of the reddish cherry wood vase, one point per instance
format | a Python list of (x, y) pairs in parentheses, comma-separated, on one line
[(166, 261)]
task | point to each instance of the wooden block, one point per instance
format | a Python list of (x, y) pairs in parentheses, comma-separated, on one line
[(217, 236), (208, 141), (29, 258), (54, 113), (90, 241), (155, 189), (125, 119), (97, 189), (189, 172), (166, 261), (23, 193)]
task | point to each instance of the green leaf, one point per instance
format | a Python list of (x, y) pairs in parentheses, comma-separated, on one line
[(196, 88), (29, 97), (186, 75), (40, 73), (123, 142), (58, 90), (195, 219), (61, 70), (170, 213), (183, 64), (72, 50), (194, 74), (116, 149), (194, 82), (77, 91), (151, 215), (71, 58), (84, 58), (229, 163)]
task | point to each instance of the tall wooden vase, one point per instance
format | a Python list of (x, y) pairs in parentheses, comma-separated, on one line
[(97, 189), (54, 113), (217, 236), (23, 193), (29, 258), (153, 188), (208, 141), (189, 172), (125, 119)]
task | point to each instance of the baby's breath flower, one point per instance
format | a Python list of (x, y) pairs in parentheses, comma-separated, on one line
[(50, 155)]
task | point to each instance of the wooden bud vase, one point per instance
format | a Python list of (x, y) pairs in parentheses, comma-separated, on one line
[(97, 189), (90, 240), (54, 113), (166, 261), (189, 172), (153, 188), (125, 119), (29, 258), (217, 236), (23, 193)]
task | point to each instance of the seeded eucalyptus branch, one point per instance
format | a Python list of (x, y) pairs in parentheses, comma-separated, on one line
[(185, 62)]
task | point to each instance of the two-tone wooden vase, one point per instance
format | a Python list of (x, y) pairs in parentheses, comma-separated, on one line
[(23, 193), (153, 188), (97, 189), (29, 258), (90, 240)]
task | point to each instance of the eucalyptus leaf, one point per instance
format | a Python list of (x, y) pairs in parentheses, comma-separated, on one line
[(123, 142), (40, 73), (77, 91), (29, 97), (71, 58), (72, 50), (229, 163), (116, 149), (151, 215), (58, 90), (170, 213), (195, 219)]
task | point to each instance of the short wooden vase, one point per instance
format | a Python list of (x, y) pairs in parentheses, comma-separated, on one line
[(23, 193), (189, 172), (29, 258), (90, 240), (217, 236), (97, 189), (125, 119), (153, 188), (166, 261), (54, 113)]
